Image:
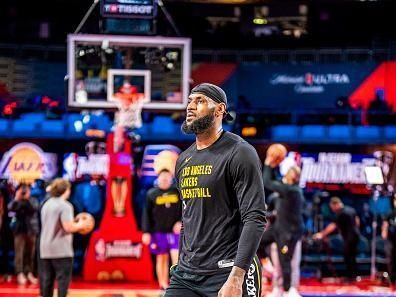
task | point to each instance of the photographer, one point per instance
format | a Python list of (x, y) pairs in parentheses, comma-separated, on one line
[(25, 228)]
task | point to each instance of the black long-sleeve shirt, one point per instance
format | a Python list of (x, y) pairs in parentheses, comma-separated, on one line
[(345, 220), (289, 205), (163, 210), (223, 205), (24, 210)]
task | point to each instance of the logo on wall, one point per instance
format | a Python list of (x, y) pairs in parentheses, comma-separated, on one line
[(310, 83), (117, 249), (26, 162), (334, 168), (75, 166)]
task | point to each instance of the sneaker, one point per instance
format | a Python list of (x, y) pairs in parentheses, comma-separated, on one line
[(8, 278), (292, 293), (32, 279), (21, 279)]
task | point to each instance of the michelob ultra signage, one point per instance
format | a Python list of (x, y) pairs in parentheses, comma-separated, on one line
[(26, 162)]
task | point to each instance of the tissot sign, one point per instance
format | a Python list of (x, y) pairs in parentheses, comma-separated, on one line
[(129, 8)]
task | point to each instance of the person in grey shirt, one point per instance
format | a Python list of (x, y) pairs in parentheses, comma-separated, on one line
[(56, 239)]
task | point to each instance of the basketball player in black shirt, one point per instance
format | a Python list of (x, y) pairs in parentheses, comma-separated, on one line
[(288, 226), (223, 215)]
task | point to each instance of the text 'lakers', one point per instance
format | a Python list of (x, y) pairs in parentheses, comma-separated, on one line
[(189, 183)]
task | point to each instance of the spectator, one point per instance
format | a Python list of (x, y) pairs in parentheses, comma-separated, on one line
[(161, 224), (378, 109), (347, 222), (5, 235), (24, 225), (388, 233)]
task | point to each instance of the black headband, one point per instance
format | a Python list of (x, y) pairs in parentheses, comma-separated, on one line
[(215, 93)]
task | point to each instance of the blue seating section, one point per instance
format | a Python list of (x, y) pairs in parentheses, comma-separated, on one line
[(340, 132), (367, 133), (284, 132), (336, 134), (314, 132), (163, 127), (75, 125)]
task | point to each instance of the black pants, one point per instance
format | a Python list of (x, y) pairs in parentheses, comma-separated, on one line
[(350, 252), (25, 249), (51, 269), (286, 243), (184, 284)]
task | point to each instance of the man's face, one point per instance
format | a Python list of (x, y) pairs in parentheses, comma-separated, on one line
[(165, 180), (335, 207), (290, 177), (200, 114)]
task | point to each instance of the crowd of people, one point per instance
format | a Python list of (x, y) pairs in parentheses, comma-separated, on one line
[(41, 227)]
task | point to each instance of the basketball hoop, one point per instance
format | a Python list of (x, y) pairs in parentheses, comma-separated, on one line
[(129, 115), (129, 103)]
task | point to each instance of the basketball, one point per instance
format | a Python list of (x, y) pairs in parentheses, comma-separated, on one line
[(88, 220), (277, 151)]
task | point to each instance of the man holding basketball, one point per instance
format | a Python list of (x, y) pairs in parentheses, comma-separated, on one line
[(288, 227), (219, 179), (56, 239)]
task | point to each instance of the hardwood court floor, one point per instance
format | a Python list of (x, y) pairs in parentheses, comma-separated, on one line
[(309, 288)]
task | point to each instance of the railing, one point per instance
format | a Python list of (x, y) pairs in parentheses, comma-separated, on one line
[(274, 56)]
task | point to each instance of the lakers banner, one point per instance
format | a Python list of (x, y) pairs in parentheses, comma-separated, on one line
[(26, 162)]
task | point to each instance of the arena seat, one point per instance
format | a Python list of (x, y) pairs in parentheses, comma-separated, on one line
[(4, 125), (316, 133), (24, 125), (364, 133), (285, 133), (389, 133), (339, 132), (163, 125), (53, 128)]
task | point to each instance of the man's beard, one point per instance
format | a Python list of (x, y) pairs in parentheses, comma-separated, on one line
[(200, 125)]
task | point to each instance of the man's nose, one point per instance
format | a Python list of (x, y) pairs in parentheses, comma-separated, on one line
[(191, 105)]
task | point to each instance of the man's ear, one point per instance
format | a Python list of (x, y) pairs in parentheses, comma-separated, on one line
[(220, 110)]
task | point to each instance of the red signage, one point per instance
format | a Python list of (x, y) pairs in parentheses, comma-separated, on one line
[(115, 250)]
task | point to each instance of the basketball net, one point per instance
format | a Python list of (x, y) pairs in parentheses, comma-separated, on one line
[(129, 115)]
